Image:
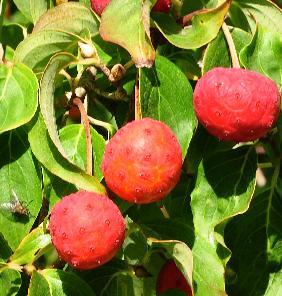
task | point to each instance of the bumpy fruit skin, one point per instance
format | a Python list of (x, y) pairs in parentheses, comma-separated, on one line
[(170, 277), (236, 104), (142, 161), (99, 5), (87, 229)]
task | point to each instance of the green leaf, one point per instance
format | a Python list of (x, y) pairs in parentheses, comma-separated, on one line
[(217, 53), (29, 247), (32, 9), (74, 143), (10, 282), (255, 240), (38, 280), (263, 52), (71, 17), (46, 152), (59, 29), (20, 188), (15, 30), (163, 99), (18, 99), (126, 23), (265, 12), (47, 90), (204, 28), (224, 188), (181, 254), (60, 283)]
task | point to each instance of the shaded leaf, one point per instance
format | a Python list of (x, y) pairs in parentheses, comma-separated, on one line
[(10, 282), (217, 53), (18, 96), (255, 240), (46, 152), (162, 99), (32, 9), (204, 28), (20, 186), (126, 23), (74, 143)]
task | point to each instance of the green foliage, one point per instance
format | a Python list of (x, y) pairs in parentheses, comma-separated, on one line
[(222, 222)]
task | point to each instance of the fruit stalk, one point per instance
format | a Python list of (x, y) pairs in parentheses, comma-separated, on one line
[(231, 45), (85, 121)]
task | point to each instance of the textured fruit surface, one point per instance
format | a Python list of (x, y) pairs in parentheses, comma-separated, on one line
[(170, 277), (99, 5), (162, 6), (87, 229), (236, 104), (142, 161)]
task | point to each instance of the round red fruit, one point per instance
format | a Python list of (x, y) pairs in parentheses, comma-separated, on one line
[(162, 6), (170, 277), (236, 104), (142, 161), (99, 5), (87, 229)]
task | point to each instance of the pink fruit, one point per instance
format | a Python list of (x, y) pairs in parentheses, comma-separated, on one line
[(236, 104), (99, 5), (170, 277), (142, 162), (87, 229)]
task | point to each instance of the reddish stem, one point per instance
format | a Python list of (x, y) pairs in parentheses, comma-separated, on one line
[(138, 114), (85, 121)]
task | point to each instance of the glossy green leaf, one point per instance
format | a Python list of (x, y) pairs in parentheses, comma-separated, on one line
[(126, 23), (38, 280), (265, 12), (204, 28), (72, 17), (29, 246), (255, 240), (181, 254), (46, 152), (10, 282), (65, 283), (163, 99), (32, 9), (18, 96), (47, 90), (74, 144), (217, 53), (224, 188), (59, 29), (20, 187), (263, 53)]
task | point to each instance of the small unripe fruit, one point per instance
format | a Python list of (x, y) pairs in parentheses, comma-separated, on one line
[(236, 104), (142, 161), (99, 5), (74, 113), (87, 229), (170, 277)]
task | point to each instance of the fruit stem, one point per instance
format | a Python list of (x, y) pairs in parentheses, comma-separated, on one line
[(138, 115), (84, 117), (231, 45), (110, 128)]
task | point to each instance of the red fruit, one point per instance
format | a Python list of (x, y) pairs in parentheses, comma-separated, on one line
[(87, 229), (162, 6), (142, 161), (236, 104), (170, 277), (99, 5)]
